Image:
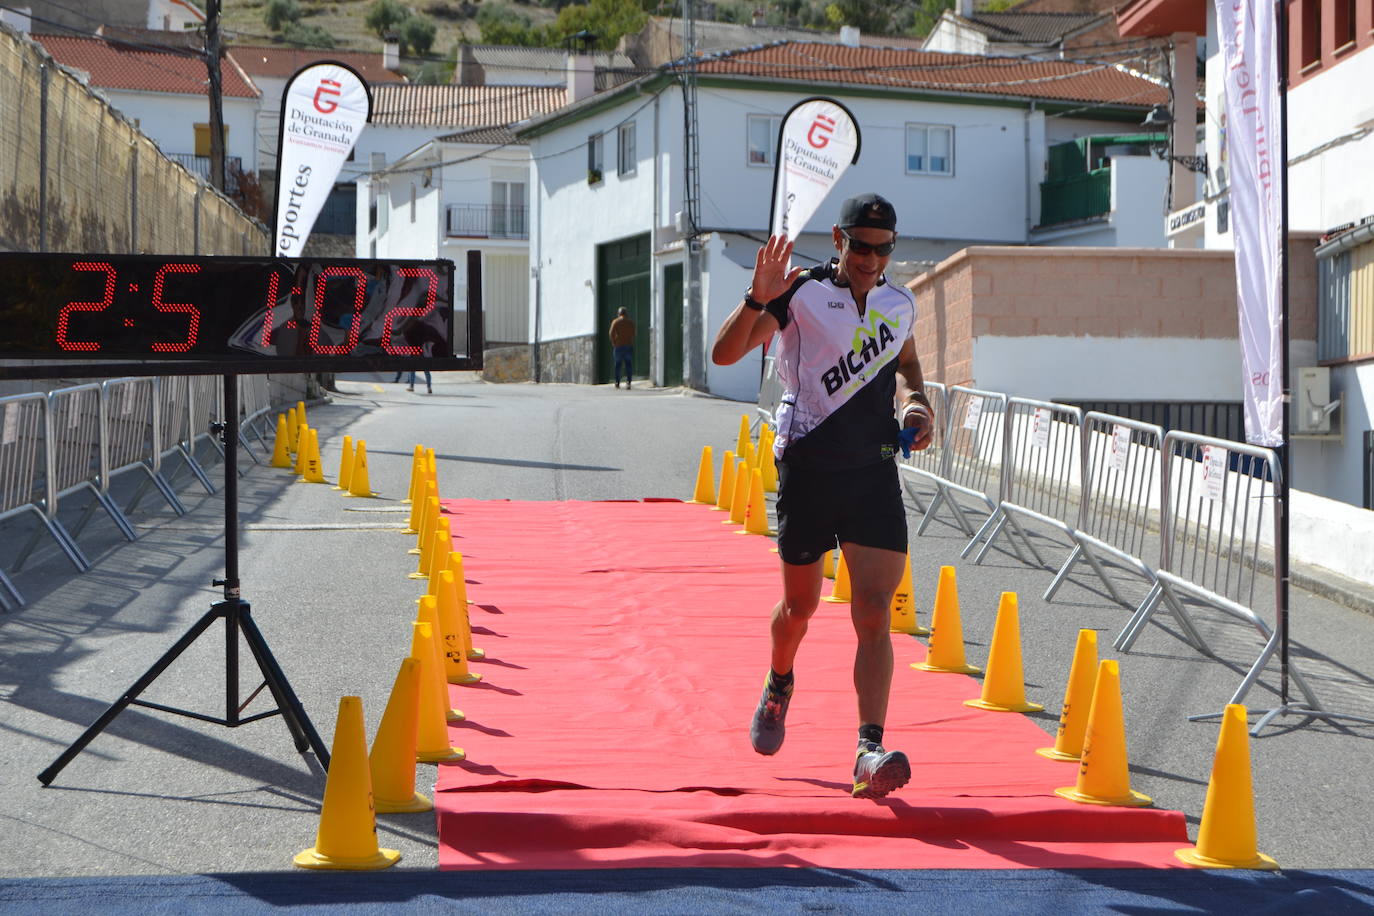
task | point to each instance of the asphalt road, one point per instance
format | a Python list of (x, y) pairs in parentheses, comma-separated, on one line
[(157, 794)]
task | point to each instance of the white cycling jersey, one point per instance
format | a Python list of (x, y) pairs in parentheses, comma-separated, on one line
[(838, 371)]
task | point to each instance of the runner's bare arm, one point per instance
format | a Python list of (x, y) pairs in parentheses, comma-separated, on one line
[(748, 327), (913, 409)]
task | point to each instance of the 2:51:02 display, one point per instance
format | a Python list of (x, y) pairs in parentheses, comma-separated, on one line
[(142, 307)]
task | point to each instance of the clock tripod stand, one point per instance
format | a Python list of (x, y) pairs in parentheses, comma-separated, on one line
[(238, 622)]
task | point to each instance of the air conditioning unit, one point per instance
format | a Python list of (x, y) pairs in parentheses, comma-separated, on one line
[(1312, 403)]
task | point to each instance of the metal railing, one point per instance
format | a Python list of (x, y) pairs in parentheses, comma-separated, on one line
[(486, 221), (199, 166)]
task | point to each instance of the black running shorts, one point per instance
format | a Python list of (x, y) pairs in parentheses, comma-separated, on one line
[(818, 509)]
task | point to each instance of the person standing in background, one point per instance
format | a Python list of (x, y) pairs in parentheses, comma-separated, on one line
[(623, 345)]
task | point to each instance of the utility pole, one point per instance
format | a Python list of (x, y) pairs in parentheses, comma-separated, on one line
[(213, 52), (691, 205)]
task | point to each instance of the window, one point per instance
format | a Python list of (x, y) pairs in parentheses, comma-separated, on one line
[(508, 210), (625, 158), (929, 149), (1345, 22), (1311, 24), (203, 139), (763, 138), (594, 158)]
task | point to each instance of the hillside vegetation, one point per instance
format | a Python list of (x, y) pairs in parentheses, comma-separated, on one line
[(431, 30)]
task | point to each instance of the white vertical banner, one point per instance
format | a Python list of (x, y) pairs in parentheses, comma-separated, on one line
[(817, 141), (324, 108), (1247, 32)]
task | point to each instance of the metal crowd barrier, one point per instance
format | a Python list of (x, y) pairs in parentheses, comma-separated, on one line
[(56, 445), (1120, 488), (255, 408), (770, 395), (1040, 473), (923, 467), (26, 475)]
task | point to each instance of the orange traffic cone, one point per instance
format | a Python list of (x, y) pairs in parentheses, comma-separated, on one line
[(358, 484), (455, 564), (903, 610), (1104, 777), (828, 564), (743, 436), (770, 466), (300, 413), (1226, 838), (293, 430), (302, 449), (946, 631), (281, 445), (417, 474), (739, 496), (841, 591), (345, 464), (725, 493), (429, 613), (347, 838), (443, 543), (1004, 685), (756, 512), (392, 760), (428, 513), (453, 630), (431, 742), (1073, 720), (705, 493), (314, 469)]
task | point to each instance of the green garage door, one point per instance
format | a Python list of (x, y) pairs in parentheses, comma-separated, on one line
[(622, 279)]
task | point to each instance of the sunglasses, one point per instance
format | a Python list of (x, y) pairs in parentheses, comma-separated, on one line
[(862, 248)]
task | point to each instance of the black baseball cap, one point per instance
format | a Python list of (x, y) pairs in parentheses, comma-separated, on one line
[(868, 210)]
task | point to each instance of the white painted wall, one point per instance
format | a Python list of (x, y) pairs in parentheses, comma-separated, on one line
[(173, 15), (170, 119), (1328, 108), (1139, 187), (955, 37), (1099, 369), (727, 272)]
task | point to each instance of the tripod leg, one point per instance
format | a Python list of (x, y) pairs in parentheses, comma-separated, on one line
[(291, 709), (47, 776)]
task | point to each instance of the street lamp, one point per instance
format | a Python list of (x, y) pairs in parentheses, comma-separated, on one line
[(1160, 117)]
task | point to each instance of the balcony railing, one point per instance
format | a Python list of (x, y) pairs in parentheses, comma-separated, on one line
[(200, 167), (1079, 197), (486, 221)]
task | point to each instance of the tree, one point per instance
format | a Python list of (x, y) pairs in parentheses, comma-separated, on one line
[(307, 36), (280, 13), (417, 35), (608, 20), (501, 25), (872, 17), (385, 15), (926, 14)]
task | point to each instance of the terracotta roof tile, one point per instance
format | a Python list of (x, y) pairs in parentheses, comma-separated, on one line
[(1030, 28), (462, 106), (816, 63), (144, 68), (269, 60), (499, 135)]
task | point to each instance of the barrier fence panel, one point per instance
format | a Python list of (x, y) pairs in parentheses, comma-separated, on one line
[(24, 474), (206, 415), (1040, 473), (255, 407), (74, 458), (923, 467), (172, 414), (970, 478), (130, 443), (1220, 499), (1120, 489)]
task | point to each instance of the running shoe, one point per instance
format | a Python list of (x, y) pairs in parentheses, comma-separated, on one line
[(877, 772), (767, 730)]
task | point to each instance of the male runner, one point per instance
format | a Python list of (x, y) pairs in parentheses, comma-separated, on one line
[(845, 356)]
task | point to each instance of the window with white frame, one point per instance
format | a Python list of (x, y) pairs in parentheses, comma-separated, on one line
[(594, 158), (508, 210), (929, 149), (625, 158), (762, 137)]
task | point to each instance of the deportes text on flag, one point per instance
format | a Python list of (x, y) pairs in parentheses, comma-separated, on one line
[(1246, 28), (323, 110), (817, 141)]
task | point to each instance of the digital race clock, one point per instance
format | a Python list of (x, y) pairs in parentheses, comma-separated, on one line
[(202, 315)]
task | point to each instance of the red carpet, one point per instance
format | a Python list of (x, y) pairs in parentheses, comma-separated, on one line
[(626, 647)]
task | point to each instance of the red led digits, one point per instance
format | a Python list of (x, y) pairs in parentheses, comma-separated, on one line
[(359, 294), (176, 307), (64, 316), (273, 284), (406, 312)]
